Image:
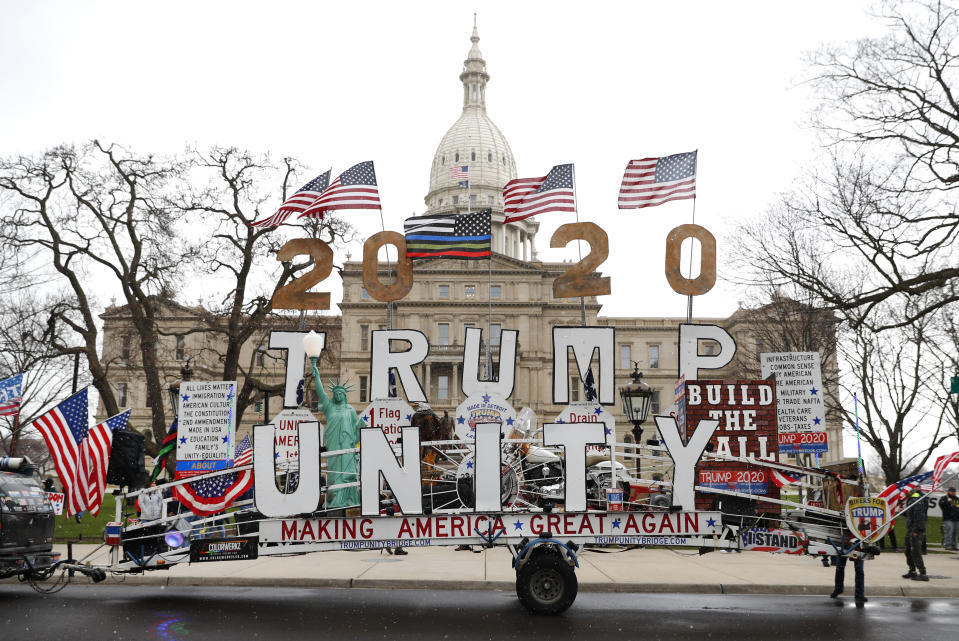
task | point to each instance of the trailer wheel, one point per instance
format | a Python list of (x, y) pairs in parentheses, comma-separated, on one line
[(546, 584)]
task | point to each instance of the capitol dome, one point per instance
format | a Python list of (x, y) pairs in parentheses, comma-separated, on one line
[(474, 141)]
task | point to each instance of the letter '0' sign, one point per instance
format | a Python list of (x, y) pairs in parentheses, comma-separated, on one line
[(707, 264), (404, 267)]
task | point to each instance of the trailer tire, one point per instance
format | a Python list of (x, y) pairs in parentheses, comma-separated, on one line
[(546, 584)]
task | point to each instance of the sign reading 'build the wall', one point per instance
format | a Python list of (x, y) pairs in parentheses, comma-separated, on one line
[(746, 411)]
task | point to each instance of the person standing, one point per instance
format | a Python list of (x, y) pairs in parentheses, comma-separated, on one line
[(916, 512), (949, 504)]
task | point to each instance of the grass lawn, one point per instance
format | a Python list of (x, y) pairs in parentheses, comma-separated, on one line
[(933, 531), (90, 528)]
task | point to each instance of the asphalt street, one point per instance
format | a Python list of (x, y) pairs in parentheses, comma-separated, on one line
[(151, 613)]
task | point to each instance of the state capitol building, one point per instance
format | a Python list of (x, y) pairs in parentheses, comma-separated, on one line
[(448, 296)]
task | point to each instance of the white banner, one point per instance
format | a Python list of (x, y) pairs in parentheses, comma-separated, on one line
[(662, 528), (799, 392), (585, 412), (390, 415), (286, 444), (207, 423)]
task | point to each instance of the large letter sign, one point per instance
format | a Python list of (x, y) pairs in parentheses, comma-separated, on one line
[(292, 342), (376, 457), (574, 437), (383, 360), (267, 498), (685, 456), (584, 341), (689, 359), (503, 386)]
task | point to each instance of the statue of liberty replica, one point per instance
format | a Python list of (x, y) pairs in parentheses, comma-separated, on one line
[(342, 433)]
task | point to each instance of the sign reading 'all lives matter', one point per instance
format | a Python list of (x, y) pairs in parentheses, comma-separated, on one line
[(207, 422)]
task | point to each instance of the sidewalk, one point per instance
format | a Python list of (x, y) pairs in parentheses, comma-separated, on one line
[(639, 570)]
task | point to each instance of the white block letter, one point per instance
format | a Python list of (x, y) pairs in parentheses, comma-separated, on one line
[(268, 499), (503, 387), (584, 340), (685, 456), (376, 457), (689, 359), (487, 476), (383, 360), (574, 437), (292, 342)]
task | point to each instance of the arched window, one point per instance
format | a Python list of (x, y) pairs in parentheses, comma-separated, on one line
[(457, 157), (504, 161), (444, 160), (473, 155), (489, 157)]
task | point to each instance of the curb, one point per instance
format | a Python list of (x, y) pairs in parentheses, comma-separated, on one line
[(509, 586)]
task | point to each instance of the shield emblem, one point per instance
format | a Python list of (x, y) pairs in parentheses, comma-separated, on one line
[(867, 518)]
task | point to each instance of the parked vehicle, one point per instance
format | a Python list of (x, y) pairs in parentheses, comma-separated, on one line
[(26, 519)]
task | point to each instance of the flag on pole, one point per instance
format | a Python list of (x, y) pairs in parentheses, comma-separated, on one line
[(298, 202), (460, 172), (166, 447), (780, 478), (940, 467), (654, 181), (80, 455), (897, 494), (525, 197), (464, 236), (589, 386), (355, 188), (392, 389), (11, 395), (206, 497), (95, 452)]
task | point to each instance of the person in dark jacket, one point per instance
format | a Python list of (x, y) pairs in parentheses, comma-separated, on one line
[(916, 512), (949, 504)]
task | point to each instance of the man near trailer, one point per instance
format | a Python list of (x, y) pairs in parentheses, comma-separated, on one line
[(949, 504), (916, 512)]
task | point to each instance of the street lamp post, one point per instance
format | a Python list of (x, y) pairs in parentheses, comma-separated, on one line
[(636, 397), (174, 390)]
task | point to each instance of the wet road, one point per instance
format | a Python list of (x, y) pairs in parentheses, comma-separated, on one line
[(151, 613)]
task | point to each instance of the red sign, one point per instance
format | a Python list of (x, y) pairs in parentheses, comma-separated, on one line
[(748, 429)]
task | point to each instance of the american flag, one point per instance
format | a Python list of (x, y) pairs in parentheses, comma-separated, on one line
[(355, 188), (392, 390), (941, 463), (11, 392), (897, 494), (589, 386), (168, 445), (463, 236), (80, 455), (460, 172), (780, 478), (654, 181), (95, 452), (525, 197), (298, 202), (205, 497)]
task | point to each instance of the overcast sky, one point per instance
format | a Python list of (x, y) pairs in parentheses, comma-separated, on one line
[(338, 83)]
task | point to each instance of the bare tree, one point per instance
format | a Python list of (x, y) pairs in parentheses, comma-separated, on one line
[(24, 348), (892, 99), (95, 217), (893, 379), (228, 189)]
